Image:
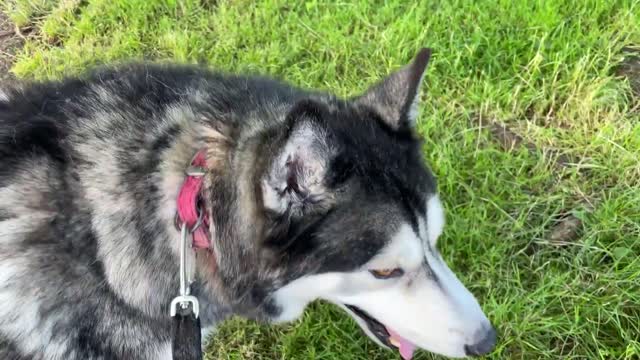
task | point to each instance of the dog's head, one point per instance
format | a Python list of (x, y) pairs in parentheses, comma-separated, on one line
[(349, 214)]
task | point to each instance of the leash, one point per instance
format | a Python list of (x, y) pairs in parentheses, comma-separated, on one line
[(193, 222)]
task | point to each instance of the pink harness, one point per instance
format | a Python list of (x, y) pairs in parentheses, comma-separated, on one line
[(190, 207)]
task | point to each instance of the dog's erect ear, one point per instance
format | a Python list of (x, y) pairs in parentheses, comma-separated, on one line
[(295, 178), (395, 98)]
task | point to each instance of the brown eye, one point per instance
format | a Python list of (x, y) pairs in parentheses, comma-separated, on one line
[(387, 273)]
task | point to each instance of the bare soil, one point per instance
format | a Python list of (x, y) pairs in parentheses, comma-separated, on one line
[(630, 68), (10, 44)]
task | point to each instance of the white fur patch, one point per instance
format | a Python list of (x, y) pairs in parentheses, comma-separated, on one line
[(402, 252), (414, 109), (20, 321), (165, 353), (435, 219)]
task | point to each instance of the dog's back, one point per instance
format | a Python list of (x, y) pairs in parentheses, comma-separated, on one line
[(77, 157), (56, 300)]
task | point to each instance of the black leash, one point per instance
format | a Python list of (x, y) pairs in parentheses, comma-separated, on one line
[(186, 341)]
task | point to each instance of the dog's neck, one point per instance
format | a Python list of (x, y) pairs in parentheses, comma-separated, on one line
[(147, 224), (234, 164), (227, 183), (229, 194)]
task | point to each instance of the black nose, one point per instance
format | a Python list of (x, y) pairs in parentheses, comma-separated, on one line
[(485, 345)]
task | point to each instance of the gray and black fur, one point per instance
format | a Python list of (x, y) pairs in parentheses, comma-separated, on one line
[(297, 183)]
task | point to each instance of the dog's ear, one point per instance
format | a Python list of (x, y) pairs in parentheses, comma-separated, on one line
[(294, 182), (395, 98)]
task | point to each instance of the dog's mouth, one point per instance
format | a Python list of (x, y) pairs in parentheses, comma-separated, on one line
[(384, 334)]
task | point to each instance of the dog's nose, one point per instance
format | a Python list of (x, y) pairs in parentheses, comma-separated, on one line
[(485, 345)]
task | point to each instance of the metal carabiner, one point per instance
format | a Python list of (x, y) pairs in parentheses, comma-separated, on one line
[(184, 299)]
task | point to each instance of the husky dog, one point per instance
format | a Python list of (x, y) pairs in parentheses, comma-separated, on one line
[(309, 196)]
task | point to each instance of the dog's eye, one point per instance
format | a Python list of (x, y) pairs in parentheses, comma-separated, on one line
[(387, 273)]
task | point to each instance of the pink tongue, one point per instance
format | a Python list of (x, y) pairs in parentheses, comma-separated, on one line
[(406, 348)]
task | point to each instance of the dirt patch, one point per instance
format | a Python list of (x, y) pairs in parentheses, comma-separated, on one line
[(10, 44), (566, 228), (565, 231), (630, 68), (510, 140)]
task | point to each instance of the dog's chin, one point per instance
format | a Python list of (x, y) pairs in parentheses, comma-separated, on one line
[(372, 327), (379, 333), (386, 337)]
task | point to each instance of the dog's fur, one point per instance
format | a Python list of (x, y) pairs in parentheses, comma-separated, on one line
[(306, 192)]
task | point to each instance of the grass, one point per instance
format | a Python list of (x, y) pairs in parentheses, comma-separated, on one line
[(545, 69)]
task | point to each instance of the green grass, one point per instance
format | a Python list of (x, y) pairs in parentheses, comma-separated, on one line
[(546, 69)]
